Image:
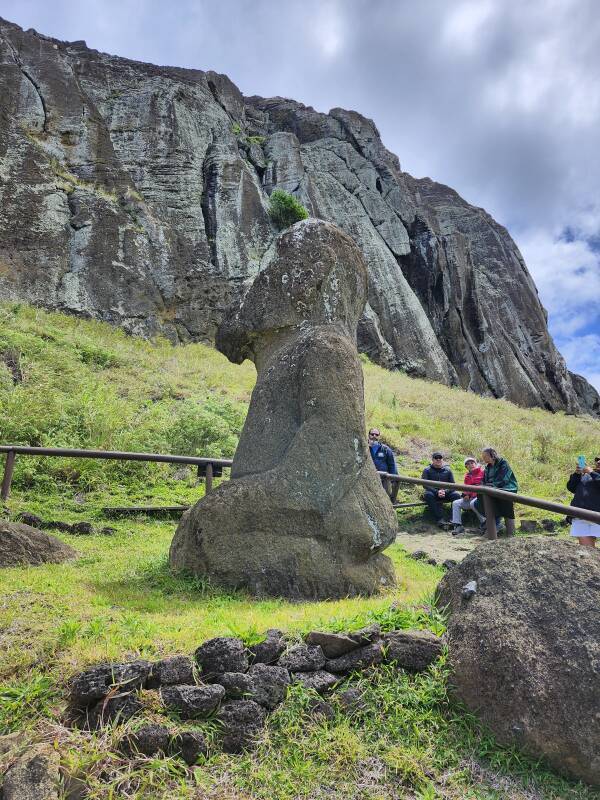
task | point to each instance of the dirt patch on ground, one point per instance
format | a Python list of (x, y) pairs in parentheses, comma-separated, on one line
[(439, 544)]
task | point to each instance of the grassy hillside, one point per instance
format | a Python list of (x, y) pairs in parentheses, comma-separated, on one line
[(90, 386), (79, 383)]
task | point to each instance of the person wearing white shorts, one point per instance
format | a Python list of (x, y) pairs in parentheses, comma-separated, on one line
[(585, 484)]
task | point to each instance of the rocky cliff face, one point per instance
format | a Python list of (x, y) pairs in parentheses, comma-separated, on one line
[(138, 194)]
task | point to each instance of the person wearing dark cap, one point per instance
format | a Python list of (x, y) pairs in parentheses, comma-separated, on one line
[(435, 497)]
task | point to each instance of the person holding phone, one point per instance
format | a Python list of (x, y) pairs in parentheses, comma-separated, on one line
[(585, 485)]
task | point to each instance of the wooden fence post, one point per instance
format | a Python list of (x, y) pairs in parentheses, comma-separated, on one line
[(490, 519), (8, 473), (208, 479)]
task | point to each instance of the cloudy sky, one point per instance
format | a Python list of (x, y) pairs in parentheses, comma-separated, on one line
[(497, 98)]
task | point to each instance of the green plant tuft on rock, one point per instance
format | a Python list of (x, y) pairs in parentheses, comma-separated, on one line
[(285, 209)]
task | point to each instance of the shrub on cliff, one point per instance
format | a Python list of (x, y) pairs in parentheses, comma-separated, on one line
[(285, 209)]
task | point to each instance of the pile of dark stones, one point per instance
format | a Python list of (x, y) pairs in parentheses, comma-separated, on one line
[(237, 686), (81, 528)]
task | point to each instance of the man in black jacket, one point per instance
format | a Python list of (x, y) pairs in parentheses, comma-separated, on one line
[(435, 497), (585, 485)]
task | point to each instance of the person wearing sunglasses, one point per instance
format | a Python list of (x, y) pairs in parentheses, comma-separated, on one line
[(383, 458)]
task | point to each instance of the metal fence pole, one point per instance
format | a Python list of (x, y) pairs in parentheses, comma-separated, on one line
[(9, 467)]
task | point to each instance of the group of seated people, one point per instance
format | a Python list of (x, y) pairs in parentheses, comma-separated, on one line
[(497, 473), (584, 482)]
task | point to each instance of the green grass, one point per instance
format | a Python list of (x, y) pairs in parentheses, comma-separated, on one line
[(88, 385)]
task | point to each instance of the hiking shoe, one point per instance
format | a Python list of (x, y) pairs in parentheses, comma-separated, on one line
[(456, 529), (441, 524)]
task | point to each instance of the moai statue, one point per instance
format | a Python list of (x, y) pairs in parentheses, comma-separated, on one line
[(304, 515)]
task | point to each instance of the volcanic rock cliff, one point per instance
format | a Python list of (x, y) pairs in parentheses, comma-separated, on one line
[(138, 194)]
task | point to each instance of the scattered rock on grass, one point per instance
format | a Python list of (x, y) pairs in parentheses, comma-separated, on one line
[(173, 671), (82, 528), (96, 682), (149, 740), (319, 708), (30, 519), (237, 685), (357, 659), (23, 545), (241, 721), (419, 555), (219, 655), (529, 525), (118, 708), (269, 650), (332, 644), (351, 701), (449, 563), (412, 650), (365, 635), (302, 658), (320, 680), (192, 701), (270, 684), (190, 745), (34, 775)]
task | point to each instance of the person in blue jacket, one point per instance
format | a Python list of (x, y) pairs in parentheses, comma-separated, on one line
[(383, 458)]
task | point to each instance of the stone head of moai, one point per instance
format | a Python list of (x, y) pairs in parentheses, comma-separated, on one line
[(313, 274)]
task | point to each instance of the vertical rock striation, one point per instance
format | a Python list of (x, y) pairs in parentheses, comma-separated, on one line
[(138, 195)]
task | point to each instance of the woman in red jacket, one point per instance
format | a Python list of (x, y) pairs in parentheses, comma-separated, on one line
[(473, 477)]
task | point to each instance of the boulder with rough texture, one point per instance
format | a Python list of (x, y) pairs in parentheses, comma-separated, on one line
[(269, 650), (97, 681), (304, 514), (190, 745), (192, 701), (21, 544), (221, 654), (332, 644), (525, 648), (303, 658), (237, 685), (270, 684), (114, 709), (34, 775), (320, 680), (170, 672), (138, 194), (241, 723), (412, 650), (148, 740), (361, 658)]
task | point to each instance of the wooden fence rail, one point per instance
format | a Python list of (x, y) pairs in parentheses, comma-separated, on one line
[(208, 465)]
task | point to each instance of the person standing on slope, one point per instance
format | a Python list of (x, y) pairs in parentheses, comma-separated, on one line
[(383, 458), (585, 485)]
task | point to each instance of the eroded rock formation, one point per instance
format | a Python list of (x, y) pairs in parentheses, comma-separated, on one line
[(138, 194), (525, 647), (304, 514)]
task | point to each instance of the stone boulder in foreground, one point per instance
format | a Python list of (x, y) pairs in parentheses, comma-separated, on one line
[(525, 647), (21, 545), (304, 514)]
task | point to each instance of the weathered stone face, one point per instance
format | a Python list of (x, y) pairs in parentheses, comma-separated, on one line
[(138, 195), (304, 514)]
